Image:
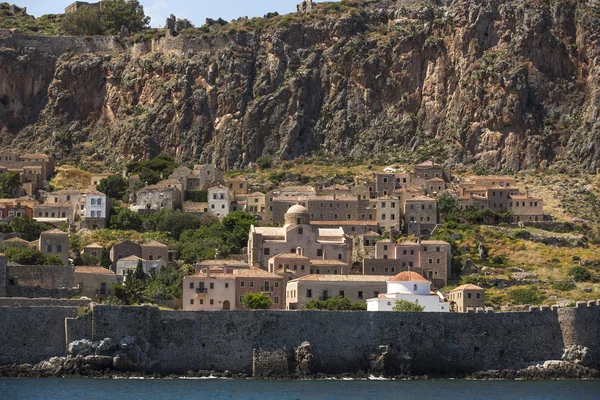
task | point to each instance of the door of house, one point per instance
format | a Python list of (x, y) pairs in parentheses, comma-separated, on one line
[(226, 305)]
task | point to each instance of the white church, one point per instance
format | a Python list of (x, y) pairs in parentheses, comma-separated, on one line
[(409, 286)]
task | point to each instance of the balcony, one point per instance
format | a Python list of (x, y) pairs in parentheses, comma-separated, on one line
[(266, 290), (201, 292)]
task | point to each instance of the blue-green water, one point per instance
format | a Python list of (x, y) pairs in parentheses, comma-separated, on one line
[(92, 389)]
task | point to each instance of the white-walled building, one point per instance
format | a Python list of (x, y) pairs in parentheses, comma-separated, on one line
[(412, 287), (96, 205), (219, 200), (124, 265)]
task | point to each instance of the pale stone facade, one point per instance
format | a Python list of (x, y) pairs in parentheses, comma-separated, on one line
[(219, 201), (357, 288), (466, 297), (316, 243), (55, 243), (94, 282)]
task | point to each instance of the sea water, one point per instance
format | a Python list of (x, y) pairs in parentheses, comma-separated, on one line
[(218, 389)]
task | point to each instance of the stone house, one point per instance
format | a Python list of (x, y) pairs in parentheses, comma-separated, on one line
[(195, 208), (420, 215), (357, 288), (96, 178), (224, 265), (224, 291), (93, 249), (54, 212), (35, 281), (287, 196), (156, 198), (429, 258), (207, 174), (154, 250), (97, 210), (55, 243), (129, 264), (124, 249), (315, 243), (335, 190), (427, 170), (385, 183), (219, 200), (237, 185), (15, 211), (94, 282), (389, 213), (526, 208), (256, 204), (466, 297)]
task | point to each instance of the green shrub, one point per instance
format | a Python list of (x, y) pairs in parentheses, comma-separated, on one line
[(524, 296), (564, 286), (339, 303), (474, 280), (407, 306), (580, 274), (198, 196), (521, 234), (264, 162)]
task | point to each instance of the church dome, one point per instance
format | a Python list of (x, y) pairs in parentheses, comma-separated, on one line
[(297, 215)]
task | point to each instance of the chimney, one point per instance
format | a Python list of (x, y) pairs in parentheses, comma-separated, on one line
[(208, 271)]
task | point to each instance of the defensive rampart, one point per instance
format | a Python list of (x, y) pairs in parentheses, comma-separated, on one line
[(341, 342)]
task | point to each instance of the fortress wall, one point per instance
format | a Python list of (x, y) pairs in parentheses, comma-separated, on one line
[(33, 334), (341, 341)]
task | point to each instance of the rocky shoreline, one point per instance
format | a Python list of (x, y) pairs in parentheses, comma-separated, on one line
[(131, 358)]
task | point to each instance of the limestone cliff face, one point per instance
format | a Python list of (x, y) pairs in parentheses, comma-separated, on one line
[(509, 84)]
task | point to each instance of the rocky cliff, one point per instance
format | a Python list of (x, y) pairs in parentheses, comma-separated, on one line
[(509, 84)]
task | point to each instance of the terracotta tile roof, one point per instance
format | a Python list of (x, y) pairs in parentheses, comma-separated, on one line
[(289, 255), (434, 242), (131, 258), (54, 232), (215, 263), (241, 273), (467, 287), (332, 263), (93, 270), (435, 180), (15, 240), (344, 278), (525, 197), (54, 205), (421, 198), (154, 243), (344, 223), (93, 246), (408, 276), (35, 156)]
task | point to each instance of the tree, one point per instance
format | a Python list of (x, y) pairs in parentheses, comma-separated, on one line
[(176, 222), (28, 229), (264, 162), (24, 255), (139, 273), (197, 196), (54, 260), (448, 206), (256, 301), (407, 306), (125, 219), (9, 183), (85, 259), (129, 13), (340, 303), (85, 21), (113, 186), (237, 225)]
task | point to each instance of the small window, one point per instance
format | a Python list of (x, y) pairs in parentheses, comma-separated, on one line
[(478, 295), (266, 251), (251, 283), (242, 284), (276, 300), (191, 301), (300, 231), (415, 286), (468, 295), (191, 285), (319, 253), (212, 301), (360, 295), (226, 285), (308, 293), (212, 285)]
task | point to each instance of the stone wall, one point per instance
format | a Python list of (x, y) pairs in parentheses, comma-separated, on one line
[(42, 302), (341, 341), (33, 334), (58, 45)]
